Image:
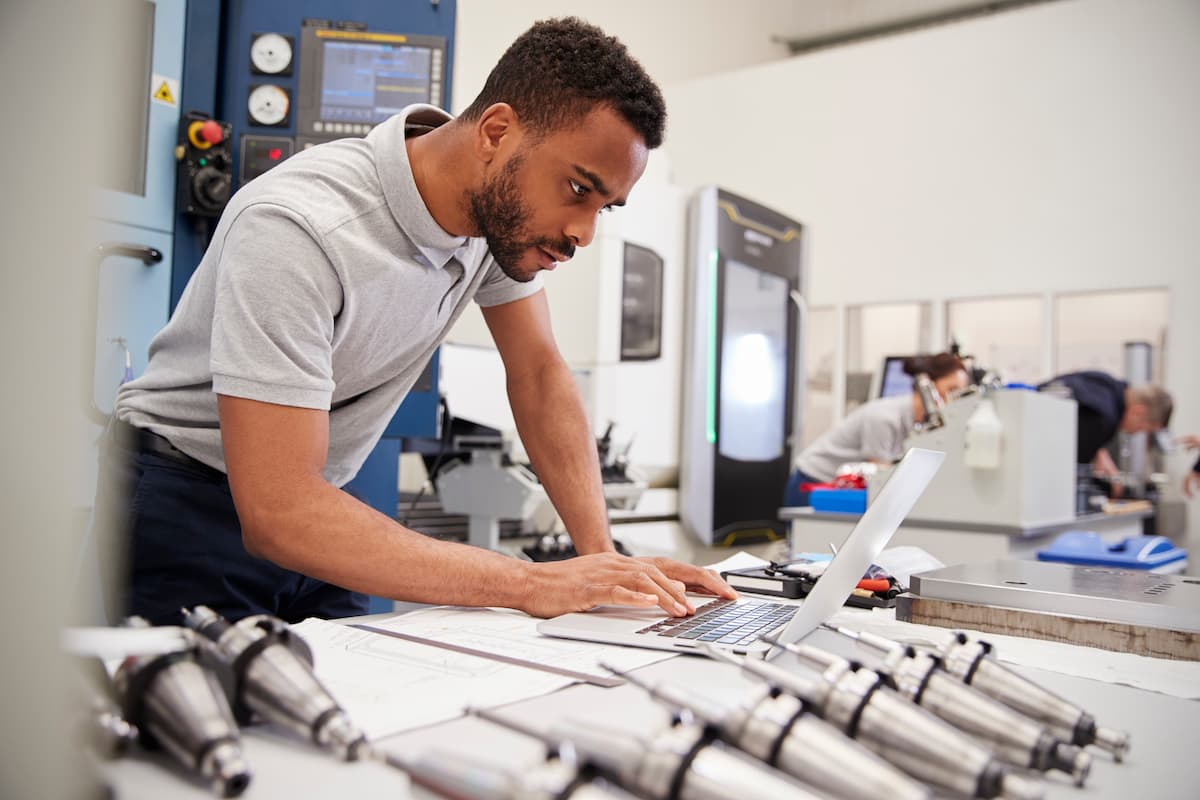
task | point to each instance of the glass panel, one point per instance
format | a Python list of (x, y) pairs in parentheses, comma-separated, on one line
[(1091, 330), (875, 332), (754, 332), (820, 353), (641, 304), (1003, 334), (124, 168)]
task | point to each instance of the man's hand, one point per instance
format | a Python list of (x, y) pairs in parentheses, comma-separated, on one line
[(696, 579), (585, 582), (1104, 467)]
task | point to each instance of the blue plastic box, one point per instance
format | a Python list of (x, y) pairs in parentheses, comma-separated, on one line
[(850, 501), (1136, 552)]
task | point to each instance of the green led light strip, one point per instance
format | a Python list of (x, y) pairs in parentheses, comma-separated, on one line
[(712, 349)]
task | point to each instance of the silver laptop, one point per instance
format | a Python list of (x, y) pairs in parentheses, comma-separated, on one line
[(737, 625)]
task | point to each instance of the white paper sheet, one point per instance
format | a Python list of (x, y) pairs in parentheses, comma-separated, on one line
[(739, 560), (388, 685), (514, 634)]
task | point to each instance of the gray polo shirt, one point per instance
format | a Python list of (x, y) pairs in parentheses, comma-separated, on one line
[(874, 431), (327, 285)]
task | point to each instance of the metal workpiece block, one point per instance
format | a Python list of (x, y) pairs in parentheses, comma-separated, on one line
[(1099, 593)]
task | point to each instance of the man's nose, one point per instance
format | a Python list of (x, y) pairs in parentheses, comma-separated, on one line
[(581, 230)]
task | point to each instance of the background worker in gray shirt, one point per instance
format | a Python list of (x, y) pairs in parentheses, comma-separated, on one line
[(327, 286), (875, 431)]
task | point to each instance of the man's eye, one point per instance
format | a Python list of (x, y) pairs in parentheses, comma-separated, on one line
[(577, 188)]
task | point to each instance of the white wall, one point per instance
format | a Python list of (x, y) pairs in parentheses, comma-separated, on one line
[(674, 39)]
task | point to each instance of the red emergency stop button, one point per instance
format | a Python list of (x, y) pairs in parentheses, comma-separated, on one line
[(211, 132), (204, 134)]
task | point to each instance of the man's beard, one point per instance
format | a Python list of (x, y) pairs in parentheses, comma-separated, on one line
[(502, 218)]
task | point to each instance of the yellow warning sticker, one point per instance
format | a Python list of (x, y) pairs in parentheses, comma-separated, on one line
[(164, 90)]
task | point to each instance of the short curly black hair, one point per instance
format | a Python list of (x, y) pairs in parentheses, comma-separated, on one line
[(556, 72)]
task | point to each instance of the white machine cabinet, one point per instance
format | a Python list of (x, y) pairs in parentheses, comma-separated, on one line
[(1034, 483)]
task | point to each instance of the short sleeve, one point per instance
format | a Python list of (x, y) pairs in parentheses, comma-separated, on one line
[(277, 296), (496, 289)]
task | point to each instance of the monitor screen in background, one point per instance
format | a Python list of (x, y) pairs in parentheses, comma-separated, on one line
[(367, 82), (895, 380)]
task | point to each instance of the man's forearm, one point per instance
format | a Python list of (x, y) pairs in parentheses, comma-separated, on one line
[(329, 535), (558, 439)]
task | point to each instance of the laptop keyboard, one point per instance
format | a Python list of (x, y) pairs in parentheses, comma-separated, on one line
[(735, 622)]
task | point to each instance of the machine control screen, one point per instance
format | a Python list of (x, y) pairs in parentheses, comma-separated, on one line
[(351, 81), (369, 82)]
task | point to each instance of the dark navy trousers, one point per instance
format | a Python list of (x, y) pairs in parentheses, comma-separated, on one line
[(794, 495), (176, 542)]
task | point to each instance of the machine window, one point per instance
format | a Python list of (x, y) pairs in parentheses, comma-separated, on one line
[(875, 332), (754, 333), (1004, 334), (1092, 328), (124, 169)]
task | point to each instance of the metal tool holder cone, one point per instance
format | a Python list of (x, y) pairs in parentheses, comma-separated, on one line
[(178, 704), (914, 740), (271, 674), (922, 678), (680, 762), (780, 730), (454, 775), (973, 662)]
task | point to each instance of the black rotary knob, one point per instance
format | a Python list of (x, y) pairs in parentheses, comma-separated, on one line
[(211, 187)]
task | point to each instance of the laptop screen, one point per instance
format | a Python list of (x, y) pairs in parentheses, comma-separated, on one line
[(872, 533)]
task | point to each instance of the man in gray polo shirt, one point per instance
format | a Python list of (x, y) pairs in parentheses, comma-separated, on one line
[(327, 286)]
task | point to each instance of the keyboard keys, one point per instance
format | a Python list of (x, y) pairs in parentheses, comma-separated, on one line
[(725, 622)]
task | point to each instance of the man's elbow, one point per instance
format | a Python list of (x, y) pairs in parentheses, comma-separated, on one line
[(274, 516), (264, 532), (256, 542)]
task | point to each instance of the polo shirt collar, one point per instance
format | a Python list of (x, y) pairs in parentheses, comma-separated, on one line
[(400, 190)]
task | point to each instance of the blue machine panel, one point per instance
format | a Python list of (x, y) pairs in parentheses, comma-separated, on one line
[(245, 19)]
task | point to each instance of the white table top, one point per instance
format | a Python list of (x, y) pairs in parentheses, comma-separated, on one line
[(1161, 762)]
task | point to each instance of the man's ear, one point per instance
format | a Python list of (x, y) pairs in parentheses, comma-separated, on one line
[(496, 130)]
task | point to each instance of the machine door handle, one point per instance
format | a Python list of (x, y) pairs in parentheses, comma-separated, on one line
[(149, 256)]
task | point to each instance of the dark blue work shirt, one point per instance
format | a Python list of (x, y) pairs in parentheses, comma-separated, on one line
[(1101, 399)]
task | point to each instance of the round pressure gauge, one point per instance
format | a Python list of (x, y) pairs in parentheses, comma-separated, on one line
[(271, 54), (268, 104)]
